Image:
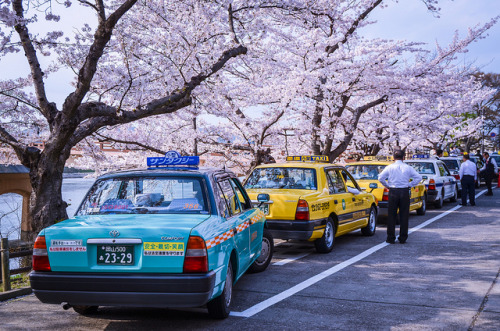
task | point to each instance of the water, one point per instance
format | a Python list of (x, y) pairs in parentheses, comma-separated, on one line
[(73, 192)]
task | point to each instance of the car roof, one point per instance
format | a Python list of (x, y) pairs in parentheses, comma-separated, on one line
[(370, 162), (167, 171), (315, 165)]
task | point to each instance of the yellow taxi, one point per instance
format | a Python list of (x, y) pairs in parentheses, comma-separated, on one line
[(308, 198), (366, 173)]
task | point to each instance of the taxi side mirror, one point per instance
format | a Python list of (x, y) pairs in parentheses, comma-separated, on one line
[(263, 198), (373, 186), (425, 177)]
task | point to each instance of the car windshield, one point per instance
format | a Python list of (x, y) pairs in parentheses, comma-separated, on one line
[(282, 178), (365, 171), (145, 195), (423, 167), (452, 164)]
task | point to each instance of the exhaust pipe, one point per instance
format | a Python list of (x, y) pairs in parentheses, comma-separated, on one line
[(66, 305)]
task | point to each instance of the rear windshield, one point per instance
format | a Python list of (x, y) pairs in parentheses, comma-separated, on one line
[(452, 164), (423, 167), (282, 178), (365, 171), (146, 195)]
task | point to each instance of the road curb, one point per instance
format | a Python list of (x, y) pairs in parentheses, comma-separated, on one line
[(15, 293)]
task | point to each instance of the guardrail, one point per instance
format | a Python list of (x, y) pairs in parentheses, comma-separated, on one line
[(10, 250)]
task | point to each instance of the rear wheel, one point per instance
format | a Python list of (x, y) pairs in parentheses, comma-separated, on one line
[(266, 253), (369, 229), (219, 307), (325, 243), (85, 310), (423, 208)]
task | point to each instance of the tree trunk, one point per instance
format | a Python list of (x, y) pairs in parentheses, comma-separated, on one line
[(46, 204)]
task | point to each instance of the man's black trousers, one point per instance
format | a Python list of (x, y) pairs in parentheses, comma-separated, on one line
[(468, 186), (398, 198)]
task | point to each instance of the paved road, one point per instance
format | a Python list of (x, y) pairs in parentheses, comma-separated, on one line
[(444, 278)]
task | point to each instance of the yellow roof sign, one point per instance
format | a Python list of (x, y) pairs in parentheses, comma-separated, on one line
[(308, 158)]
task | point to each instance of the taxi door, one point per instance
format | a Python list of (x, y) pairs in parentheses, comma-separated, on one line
[(342, 200), (360, 200), (448, 179), (238, 222)]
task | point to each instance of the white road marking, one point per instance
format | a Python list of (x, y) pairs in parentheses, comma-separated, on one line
[(313, 280), (290, 259)]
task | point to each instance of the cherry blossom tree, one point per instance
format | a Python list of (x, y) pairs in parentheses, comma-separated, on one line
[(120, 77)]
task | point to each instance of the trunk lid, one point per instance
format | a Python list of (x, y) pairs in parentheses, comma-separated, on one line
[(284, 202), (121, 243)]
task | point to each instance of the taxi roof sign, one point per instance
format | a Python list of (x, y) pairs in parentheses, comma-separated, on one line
[(378, 158), (308, 158), (421, 156), (174, 159)]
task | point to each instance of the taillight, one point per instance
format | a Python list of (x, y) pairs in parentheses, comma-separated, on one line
[(385, 196), (40, 257), (457, 177), (196, 255), (302, 212), (432, 184)]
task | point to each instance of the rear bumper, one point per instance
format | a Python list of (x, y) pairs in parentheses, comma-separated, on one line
[(293, 229), (432, 195), (134, 290), (383, 207)]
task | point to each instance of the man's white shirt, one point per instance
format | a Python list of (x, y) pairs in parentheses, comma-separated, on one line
[(468, 168), (398, 175), (492, 162)]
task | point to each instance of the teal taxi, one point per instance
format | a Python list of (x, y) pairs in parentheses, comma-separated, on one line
[(173, 235)]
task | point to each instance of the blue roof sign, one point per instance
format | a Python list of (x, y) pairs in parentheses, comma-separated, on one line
[(173, 158), (421, 156)]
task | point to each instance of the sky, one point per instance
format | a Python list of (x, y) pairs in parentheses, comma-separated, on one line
[(410, 20), (403, 19)]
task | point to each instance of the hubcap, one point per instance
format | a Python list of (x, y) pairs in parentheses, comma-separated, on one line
[(264, 253), (329, 234), (372, 220), (228, 288)]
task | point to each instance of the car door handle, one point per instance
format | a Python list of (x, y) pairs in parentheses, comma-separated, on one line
[(353, 199)]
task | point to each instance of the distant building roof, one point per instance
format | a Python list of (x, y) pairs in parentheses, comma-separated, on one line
[(13, 169)]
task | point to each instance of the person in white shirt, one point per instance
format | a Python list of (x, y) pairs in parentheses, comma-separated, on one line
[(398, 178), (468, 176), (489, 170)]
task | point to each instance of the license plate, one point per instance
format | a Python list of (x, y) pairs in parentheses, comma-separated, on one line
[(115, 255), (265, 209)]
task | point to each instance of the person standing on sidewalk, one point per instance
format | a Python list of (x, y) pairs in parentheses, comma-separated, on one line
[(488, 171), (399, 178), (468, 176)]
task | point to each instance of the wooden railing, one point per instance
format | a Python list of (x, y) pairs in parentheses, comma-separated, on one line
[(10, 250)]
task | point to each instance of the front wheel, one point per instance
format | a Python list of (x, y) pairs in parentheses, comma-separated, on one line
[(369, 229), (325, 243), (219, 307), (423, 208), (266, 253)]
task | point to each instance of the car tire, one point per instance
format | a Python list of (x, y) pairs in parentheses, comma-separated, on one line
[(219, 307), (439, 204), (455, 195), (266, 253), (370, 228), (325, 243), (421, 211), (86, 310)]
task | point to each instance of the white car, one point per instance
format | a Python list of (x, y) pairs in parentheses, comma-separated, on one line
[(438, 180), (453, 164)]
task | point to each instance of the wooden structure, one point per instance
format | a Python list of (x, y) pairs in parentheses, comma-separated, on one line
[(15, 179)]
